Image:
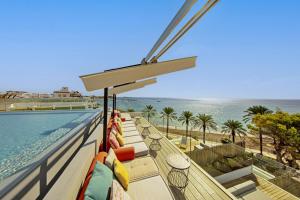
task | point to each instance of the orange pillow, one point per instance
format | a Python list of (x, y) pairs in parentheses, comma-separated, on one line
[(125, 153)]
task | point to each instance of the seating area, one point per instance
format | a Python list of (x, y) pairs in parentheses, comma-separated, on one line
[(127, 171), (146, 170)]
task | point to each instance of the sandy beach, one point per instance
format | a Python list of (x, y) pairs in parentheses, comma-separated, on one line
[(252, 141)]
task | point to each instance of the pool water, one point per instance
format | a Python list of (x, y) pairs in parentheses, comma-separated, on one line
[(25, 135)]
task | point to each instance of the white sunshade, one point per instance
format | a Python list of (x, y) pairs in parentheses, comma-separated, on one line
[(133, 73), (131, 86)]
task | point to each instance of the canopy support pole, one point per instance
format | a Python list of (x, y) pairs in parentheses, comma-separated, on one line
[(115, 101), (105, 109)]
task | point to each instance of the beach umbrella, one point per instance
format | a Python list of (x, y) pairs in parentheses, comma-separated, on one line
[(152, 68), (124, 75)]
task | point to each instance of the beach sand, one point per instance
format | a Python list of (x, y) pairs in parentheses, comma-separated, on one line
[(252, 141)]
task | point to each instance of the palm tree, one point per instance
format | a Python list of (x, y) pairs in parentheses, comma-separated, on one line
[(186, 117), (170, 114), (250, 113), (163, 116), (255, 110), (149, 111), (233, 127), (204, 122)]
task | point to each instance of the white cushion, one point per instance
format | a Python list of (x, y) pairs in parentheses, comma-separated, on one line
[(133, 139), (109, 160), (141, 168), (128, 125), (140, 148), (153, 188), (130, 133), (132, 128)]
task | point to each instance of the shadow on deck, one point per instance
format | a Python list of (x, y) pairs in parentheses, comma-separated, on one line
[(200, 186)]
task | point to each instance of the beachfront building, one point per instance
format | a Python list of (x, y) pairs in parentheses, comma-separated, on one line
[(64, 92)]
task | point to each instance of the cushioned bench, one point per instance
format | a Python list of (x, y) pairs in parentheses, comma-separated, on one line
[(133, 139), (132, 128), (140, 149), (145, 181), (130, 133), (153, 188), (128, 125), (141, 168), (126, 116)]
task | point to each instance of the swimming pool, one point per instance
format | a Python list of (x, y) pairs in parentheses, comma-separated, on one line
[(25, 135)]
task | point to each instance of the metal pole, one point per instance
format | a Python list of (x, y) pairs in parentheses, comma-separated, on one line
[(209, 4), (113, 105), (115, 101), (105, 109), (185, 8)]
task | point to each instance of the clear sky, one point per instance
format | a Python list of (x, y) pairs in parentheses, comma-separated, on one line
[(245, 48)]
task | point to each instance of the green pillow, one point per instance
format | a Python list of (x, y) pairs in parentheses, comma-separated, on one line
[(100, 183)]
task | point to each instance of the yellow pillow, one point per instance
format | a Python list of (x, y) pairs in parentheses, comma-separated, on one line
[(120, 127), (120, 139), (121, 174)]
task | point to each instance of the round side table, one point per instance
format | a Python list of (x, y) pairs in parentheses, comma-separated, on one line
[(155, 144), (137, 120), (178, 175), (145, 132)]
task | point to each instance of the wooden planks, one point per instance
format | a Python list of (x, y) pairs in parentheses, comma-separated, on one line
[(200, 186)]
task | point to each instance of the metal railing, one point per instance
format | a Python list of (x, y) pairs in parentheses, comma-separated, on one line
[(37, 179)]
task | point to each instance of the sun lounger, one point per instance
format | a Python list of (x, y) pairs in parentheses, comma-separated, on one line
[(126, 116), (183, 142), (133, 139), (132, 128), (149, 189), (141, 168), (128, 125), (140, 149), (130, 133)]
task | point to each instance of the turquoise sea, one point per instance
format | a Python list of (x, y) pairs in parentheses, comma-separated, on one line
[(221, 109), (25, 135)]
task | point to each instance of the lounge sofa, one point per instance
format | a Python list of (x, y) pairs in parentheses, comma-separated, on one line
[(145, 181), (131, 137)]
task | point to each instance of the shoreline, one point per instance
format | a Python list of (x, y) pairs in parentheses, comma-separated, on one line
[(252, 142)]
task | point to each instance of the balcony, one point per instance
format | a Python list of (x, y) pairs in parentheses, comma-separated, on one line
[(200, 186)]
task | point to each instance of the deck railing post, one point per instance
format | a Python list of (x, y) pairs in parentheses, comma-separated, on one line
[(115, 99), (105, 109)]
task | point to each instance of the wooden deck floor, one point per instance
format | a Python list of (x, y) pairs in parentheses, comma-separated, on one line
[(273, 191), (200, 186)]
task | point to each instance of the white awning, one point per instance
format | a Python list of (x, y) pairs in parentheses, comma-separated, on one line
[(131, 86), (133, 73)]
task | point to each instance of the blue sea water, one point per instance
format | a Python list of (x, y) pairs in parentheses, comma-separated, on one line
[(220, 109), (25, 135)]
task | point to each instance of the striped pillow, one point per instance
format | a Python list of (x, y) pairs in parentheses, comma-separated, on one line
[(113, 142)]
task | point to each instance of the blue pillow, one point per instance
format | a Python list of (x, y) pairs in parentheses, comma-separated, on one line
[(100, 183)]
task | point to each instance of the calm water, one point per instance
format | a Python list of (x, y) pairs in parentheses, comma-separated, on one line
[(221, 109), (25, 135)]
